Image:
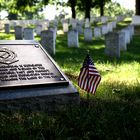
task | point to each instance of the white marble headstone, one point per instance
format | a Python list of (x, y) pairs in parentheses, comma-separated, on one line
[(104, 29), (87, 23), (112, 44), (122, 41), (28, 34), (48, 41), (7, 28), (135, 20), (127, 35), (73, 39), (38, 29), (18, 32), (97, 32), (88, 35)]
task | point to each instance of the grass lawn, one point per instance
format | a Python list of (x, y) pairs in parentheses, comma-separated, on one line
[(113, 113)]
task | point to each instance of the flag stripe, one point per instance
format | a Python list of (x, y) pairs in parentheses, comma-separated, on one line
[(97, 80), (89, 78), (82, 78), (91, 83), (85, 81)]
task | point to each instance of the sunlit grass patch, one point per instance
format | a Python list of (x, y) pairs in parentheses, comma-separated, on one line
[(127, 72), (9, 36)]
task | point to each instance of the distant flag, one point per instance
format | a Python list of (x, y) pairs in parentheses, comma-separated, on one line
[(89, 77)]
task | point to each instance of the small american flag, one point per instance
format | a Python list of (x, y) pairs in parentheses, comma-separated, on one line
[(89, 77)]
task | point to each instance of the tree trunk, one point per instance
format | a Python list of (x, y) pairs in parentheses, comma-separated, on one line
[(137, 7), (12, 16), (73, 11), (73, 4), (87, 9), (102, 3)]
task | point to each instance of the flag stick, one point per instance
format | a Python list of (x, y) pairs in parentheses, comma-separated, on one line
[(88, 84), (88, 96), (88, 99)]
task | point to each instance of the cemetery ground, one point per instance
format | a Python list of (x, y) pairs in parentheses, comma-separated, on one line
[(113, 113)]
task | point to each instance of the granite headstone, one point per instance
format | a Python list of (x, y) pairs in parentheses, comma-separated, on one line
[(31, 80)]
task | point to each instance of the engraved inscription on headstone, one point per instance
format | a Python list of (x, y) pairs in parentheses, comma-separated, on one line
[(23, 65), (7, 56)]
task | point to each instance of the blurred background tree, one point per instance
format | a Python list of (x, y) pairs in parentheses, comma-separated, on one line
[(31, 9), (137, 7)]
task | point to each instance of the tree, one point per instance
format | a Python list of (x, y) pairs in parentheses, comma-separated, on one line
[(30, 8), (2, 5), (72, 4), (9, 6), (21, 9), (137, 7), (86, 5), (101, 4), (115, 9)]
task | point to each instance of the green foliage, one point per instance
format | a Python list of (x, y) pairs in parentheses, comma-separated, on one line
[(113, 9), (25, 3), (22, 9), (29, 9), (116, 9), (2, 4)]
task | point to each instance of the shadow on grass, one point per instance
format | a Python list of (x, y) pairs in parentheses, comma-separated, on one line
[(95, 119)]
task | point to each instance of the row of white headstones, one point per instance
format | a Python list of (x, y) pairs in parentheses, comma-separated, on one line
[(73, 28), (115, 42)]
